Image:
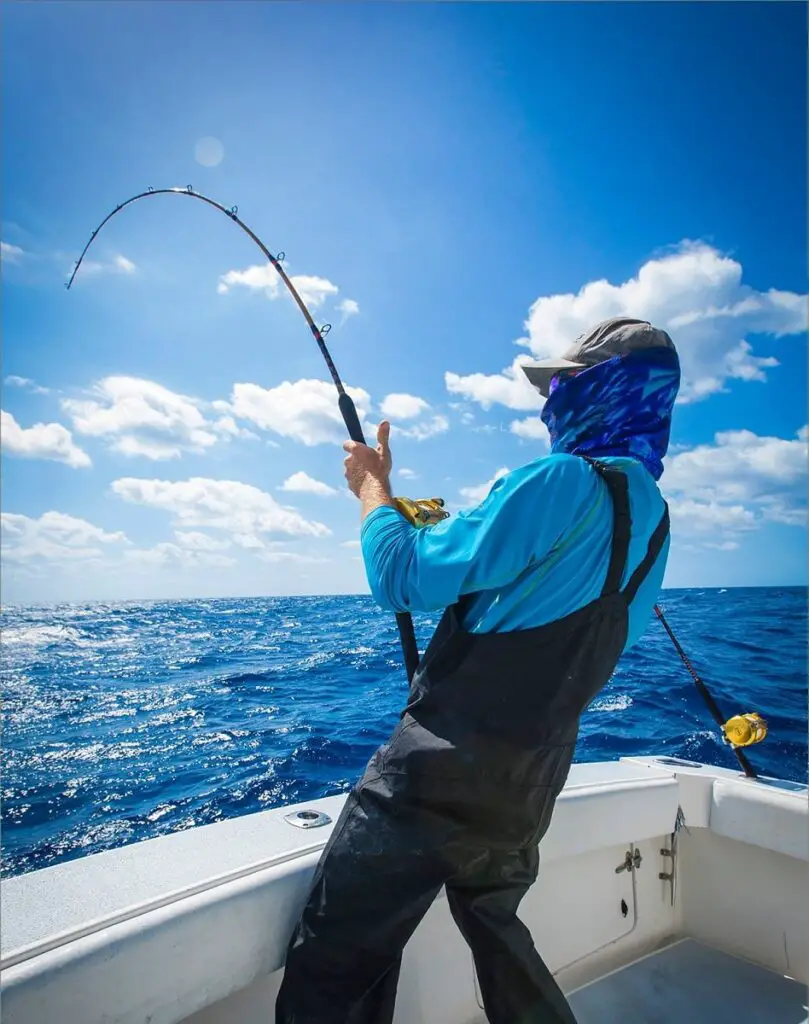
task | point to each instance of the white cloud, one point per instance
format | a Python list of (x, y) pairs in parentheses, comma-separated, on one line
[(531, 428), (227, 425), (743, 365), (124, 265), (26, 384), (725, 545), (303, 483), (350, 544), (10, 253), (740, 464), (347, 308), (248, 541), (475, 495), (275, 551), (777, 511), (694, 292), (141, 417), (54, 537), (407, 474), (689, 516), (64, 540), (738, 482), (313, 290), (195, 541), (277, 555), (403, 406), (118, 264), (423, 431), (509, 388), (263, 277), (167, 555), (305, 410), (229, 505), (42, 441), (155, 450)]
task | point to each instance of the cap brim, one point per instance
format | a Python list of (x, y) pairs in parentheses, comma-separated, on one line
[(540, 374)]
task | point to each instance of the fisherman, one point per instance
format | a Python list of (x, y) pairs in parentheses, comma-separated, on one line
[(545, 584)]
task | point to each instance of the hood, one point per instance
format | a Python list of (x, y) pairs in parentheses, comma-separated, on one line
[(620, 407)]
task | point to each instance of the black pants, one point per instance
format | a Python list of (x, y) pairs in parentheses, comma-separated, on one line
[(378, 876), (460, 797)]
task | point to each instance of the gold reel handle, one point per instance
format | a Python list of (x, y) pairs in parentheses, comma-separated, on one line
[(422, 511)]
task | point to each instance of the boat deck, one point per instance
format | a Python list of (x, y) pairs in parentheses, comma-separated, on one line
[(689, 983)]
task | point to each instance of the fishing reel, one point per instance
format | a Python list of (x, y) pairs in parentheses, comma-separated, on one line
[(422, 511), (745, 730)]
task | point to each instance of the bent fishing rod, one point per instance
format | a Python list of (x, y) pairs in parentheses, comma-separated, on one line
[(739, 731), (348, 410)]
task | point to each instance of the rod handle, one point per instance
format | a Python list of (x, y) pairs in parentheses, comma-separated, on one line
[(352, 421)]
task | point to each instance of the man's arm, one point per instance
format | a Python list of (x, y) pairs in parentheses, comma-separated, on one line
[(375, 494), (367, 471), (525, 514), (522, 519)]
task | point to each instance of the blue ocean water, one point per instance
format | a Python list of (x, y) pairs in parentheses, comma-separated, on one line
[(131, 720)]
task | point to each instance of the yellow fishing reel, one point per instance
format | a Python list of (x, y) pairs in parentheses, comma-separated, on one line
[(422, 511), (745, 730)]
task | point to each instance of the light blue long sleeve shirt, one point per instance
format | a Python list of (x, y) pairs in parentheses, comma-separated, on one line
[(536, 549)]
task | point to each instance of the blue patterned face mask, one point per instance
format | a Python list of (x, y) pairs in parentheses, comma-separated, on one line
[(621, 407)]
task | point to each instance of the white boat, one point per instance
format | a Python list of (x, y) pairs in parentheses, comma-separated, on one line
[(668, 891)]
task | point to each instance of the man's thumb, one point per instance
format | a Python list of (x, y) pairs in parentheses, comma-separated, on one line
[(383, 434)]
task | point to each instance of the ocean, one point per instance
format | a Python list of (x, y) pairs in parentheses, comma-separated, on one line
[(125, 721)]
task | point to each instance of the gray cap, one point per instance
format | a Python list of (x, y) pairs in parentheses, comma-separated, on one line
[(610, 338)]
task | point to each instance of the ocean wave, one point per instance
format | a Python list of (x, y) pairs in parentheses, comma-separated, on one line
[(46, 636), (126, 721), (618, 703)]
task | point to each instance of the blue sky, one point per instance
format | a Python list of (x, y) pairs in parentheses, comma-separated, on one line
[(446, 180)]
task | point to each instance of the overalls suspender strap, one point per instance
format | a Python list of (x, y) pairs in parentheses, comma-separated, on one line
[(618, 486), (656, 542)]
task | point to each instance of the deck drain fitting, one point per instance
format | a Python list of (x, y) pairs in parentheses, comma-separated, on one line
[(307, 819)]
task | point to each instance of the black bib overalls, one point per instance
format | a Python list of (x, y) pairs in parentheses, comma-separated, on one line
[(460, 797)]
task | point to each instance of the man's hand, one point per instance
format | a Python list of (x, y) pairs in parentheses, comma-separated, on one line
[(367, 469)]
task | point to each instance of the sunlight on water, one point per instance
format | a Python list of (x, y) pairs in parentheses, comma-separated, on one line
[(127, 721)]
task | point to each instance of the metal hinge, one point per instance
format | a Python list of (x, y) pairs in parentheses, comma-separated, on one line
[(631, 860), (670, 857)]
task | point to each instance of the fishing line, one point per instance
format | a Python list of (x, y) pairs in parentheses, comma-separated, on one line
[(348, 410)]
